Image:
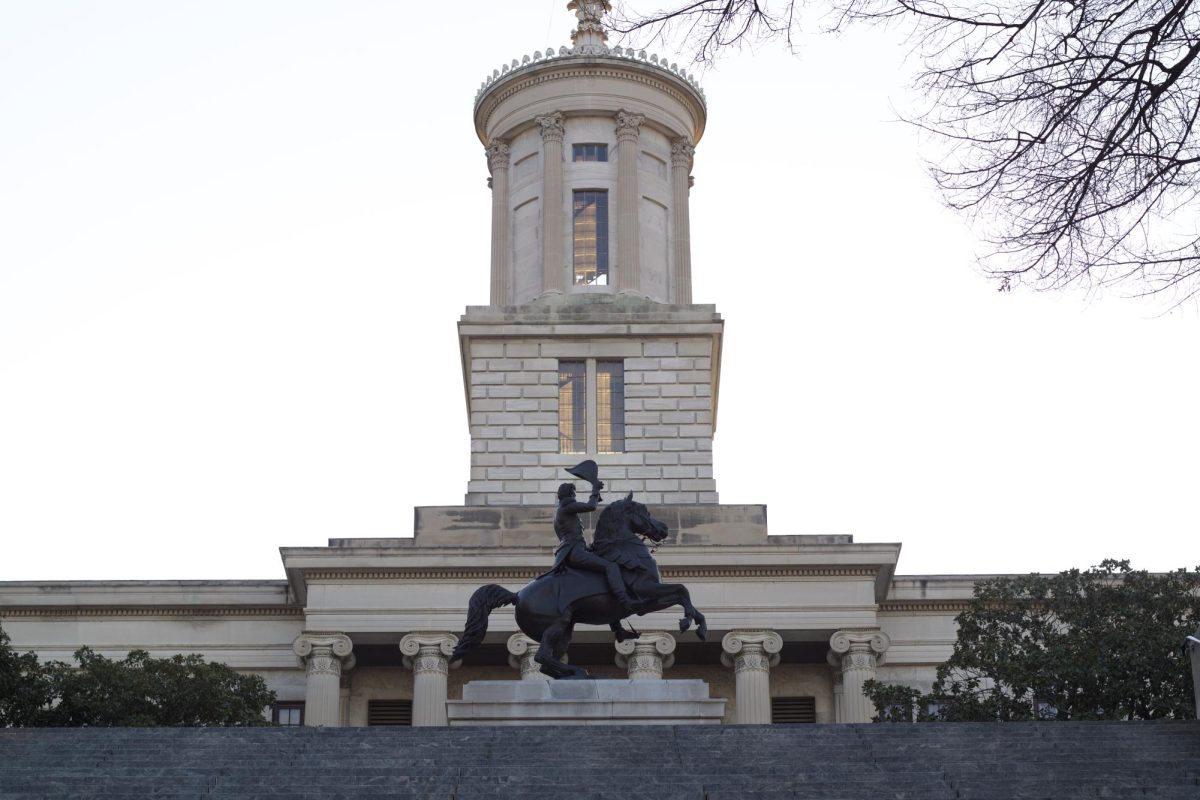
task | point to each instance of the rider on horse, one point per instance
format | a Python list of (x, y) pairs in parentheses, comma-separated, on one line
[(573, 550)]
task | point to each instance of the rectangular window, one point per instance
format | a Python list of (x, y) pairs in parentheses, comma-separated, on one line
[(610, 406), (793, 710), (288, 714), (389, 712), (589, 232), (577, 402), (572, 407), (589, 152)]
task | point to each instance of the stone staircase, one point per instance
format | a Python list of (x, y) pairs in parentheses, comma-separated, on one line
[(919, 762)]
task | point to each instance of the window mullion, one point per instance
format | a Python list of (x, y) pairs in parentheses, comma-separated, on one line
[(591, 406)]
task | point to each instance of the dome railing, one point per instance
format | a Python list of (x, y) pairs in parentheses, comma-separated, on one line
[(626, 53)]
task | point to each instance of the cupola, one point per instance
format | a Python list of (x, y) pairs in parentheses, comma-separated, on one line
[(590, 153)]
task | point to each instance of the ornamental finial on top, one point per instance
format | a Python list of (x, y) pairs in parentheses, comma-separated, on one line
[(590, 14)]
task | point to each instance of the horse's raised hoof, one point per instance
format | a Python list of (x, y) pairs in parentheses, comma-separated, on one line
[(702, 631), (684, 624)]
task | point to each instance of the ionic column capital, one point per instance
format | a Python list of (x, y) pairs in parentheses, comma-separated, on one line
[(756, 651), (551, 125), (521, 650), (629, 126), (858, 649), (646, 656), (324, 653), (682, 152), (428, 651), (497, 154)]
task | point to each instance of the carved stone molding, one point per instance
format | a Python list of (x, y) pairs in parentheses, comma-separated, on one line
[(428, 652), (647, 656), (858, 650), (324, 653), (552, 126), (629, 125), (682, 152), (497, 154), (590, 13), (755, 651)]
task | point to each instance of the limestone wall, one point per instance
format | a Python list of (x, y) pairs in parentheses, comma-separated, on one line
[(669, 407)]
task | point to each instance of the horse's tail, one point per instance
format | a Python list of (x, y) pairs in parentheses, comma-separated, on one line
[(482, 603)]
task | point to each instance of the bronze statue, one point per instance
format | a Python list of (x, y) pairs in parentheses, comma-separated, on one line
[(573, 550), (581, 587)]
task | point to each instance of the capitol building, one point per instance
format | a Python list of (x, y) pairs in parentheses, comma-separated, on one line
[(591, 347)]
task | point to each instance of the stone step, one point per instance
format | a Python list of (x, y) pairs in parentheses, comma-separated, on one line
[(1064, 761)]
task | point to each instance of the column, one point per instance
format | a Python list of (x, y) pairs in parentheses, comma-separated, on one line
[(681, 168), (553, 216), (324, 655), (647, 656), (497, 156), (857, 654), (751, 654), (628, 202), (1193, 648), (428, 655), (521, 650), (835, 661)]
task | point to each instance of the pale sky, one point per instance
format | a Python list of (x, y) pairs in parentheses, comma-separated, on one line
[(235, 238)]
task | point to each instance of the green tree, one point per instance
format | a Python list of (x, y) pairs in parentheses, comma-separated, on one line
[(134, 691), (24, 687), (146, 692), (1097, 644)]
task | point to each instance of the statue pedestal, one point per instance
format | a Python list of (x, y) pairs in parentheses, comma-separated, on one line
[(586, 702)]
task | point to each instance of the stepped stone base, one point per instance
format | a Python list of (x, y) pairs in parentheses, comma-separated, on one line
[(935, 761), (586, 702)]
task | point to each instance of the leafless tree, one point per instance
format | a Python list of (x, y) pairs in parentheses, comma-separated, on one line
[(1067, 127)]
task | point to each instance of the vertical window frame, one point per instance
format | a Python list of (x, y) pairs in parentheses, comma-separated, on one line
[(589, 215), (610, 405), (572, 405)]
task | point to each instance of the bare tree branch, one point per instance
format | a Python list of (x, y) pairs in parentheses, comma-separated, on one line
[(1065, 129)]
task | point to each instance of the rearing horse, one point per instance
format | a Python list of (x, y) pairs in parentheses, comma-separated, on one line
[(548, 609)]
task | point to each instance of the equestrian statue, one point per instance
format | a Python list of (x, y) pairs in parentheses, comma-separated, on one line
[(598, 585)]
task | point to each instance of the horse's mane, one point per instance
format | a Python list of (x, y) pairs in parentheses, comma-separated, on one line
[(612, 519)]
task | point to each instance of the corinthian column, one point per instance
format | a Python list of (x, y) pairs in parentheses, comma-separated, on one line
[(647, 656), (857, 654), (751, 654), (497, 156), (681, 167), (628, 199), (324, 655), (553, 217), (428, 656), (521, 650)]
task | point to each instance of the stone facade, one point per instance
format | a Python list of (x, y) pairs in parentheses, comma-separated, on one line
[(367, 620), (671, 361)]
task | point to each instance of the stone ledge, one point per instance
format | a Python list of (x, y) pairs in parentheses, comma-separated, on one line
[(586, 702), (520, 525)]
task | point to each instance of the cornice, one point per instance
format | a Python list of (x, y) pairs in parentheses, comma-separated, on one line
[(924, 606), (287, 612), (589, 68), (527, 574)]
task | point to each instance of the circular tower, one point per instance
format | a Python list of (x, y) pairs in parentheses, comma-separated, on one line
[(590, 346), (590, 152)]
